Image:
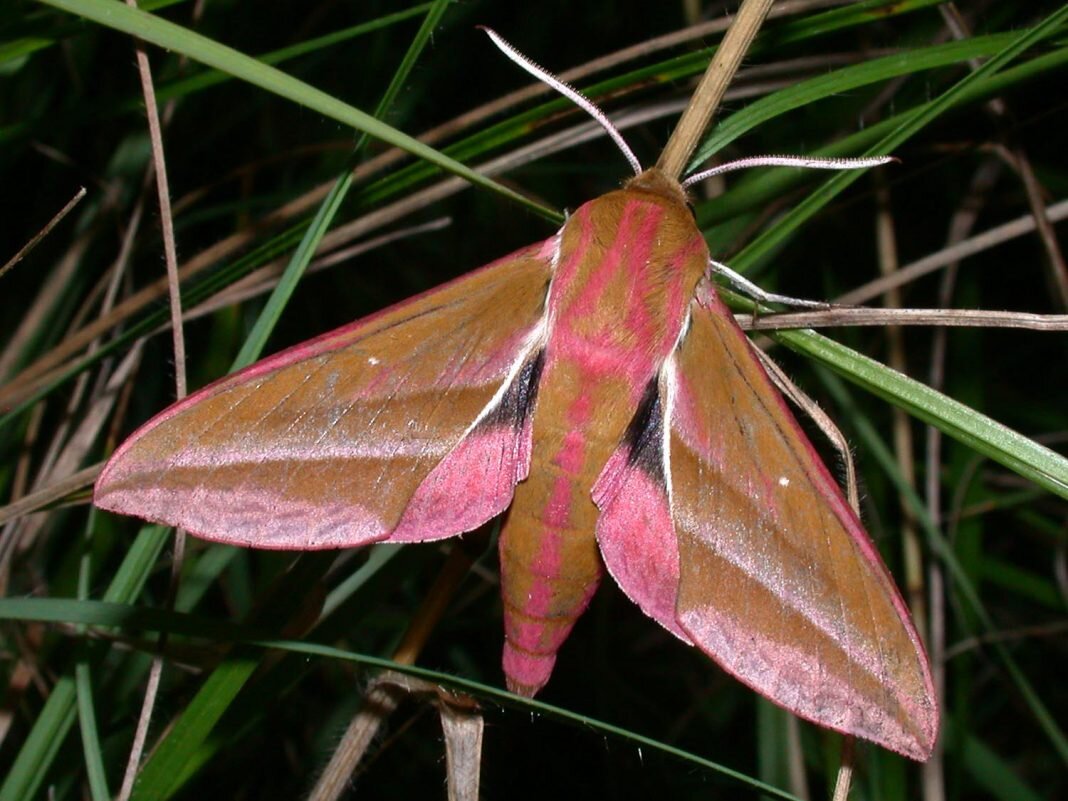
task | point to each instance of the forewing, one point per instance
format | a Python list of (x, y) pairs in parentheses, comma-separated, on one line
[(778, 581), (412, 423)]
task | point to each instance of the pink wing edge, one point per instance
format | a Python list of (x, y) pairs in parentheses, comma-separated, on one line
[(637, 540), (436, 509)]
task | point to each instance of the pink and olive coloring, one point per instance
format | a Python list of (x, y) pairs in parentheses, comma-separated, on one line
[(595, 389)]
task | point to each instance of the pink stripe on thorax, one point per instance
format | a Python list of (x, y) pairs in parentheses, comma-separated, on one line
[(639, 320), (596, 283)]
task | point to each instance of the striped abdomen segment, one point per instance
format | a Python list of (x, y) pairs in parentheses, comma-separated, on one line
[(550, 567)]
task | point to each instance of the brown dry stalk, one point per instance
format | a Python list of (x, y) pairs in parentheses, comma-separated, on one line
[(706, 98), (961, 225), (1018, 159), (952, 254), (904, 447), (384, 697), (59, 215), (171, 259), (836, 317)]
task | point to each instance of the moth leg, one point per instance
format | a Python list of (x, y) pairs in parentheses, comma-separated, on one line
[(822, 420), (746, 286)]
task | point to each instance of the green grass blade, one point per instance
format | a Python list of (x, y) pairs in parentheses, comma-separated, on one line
[(912, 124), (117, 615), (843, 81), (50, 729), (173, 37), (91, 749), (324, 215), (57, 717), (993, 774), (185, 87), (1005, 446), (165, 771), (1000, 443), (965, 588)]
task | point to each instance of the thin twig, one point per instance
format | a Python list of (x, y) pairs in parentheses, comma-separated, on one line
[(864, 316), (904, 456), (35, 318), (383, 698), (171, 257), (1020, 162), (1058, 270), (56, 491), (1056, 628), (63, 212), (949, 255), (822, 420), (845, 770)]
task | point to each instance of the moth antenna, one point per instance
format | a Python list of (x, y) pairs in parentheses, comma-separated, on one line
[(790, 161), (568, 91)]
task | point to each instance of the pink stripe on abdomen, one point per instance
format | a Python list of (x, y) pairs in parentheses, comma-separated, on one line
[(549, 564)]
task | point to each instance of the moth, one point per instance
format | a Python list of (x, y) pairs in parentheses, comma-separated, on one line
[(596, 387)]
